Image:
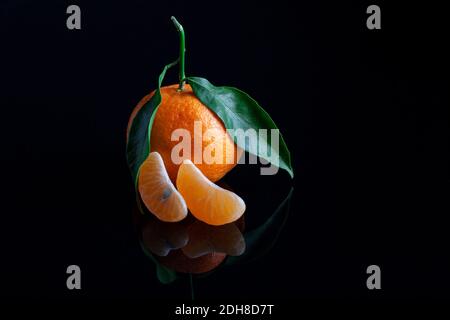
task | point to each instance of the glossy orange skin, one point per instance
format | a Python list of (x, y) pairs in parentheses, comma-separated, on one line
[(179, 109)]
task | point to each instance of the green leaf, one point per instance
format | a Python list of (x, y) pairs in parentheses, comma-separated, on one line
[(260, 240), (239, 111), (138, 145)]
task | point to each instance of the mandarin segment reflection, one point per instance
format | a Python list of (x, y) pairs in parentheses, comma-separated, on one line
[(190, 246), (204, 239), (162, 237)]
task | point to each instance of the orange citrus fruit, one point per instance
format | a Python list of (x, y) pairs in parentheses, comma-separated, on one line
[(207, 201), (157, 191), (180, 110)]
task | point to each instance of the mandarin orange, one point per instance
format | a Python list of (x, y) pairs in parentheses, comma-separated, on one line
[(180, 110)]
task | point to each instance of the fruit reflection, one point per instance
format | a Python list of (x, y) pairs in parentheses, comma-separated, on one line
[(178, 261), (191, 246), (162, 237), (204, 239)]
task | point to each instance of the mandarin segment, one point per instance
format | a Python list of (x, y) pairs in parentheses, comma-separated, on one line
[(207, 201), (157, 191)]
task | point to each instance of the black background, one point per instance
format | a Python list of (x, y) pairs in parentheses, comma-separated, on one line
[(364, 113)]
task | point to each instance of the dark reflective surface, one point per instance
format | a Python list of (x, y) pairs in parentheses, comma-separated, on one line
[(194, 247), (364, 113)]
